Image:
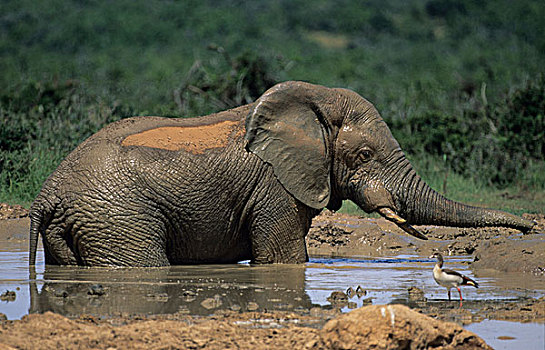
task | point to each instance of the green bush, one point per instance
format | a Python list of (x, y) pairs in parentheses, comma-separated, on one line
[(225, 82), (40, 123), (520, 120), (500, 144)]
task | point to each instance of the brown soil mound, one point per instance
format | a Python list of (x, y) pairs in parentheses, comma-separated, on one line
[(518, 253), (395, 327), (53, 331), (386, 326)]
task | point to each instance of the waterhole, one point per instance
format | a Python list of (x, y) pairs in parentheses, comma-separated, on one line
[(204, 289)]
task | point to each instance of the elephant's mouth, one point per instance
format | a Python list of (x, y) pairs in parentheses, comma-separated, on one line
[(391, 215)]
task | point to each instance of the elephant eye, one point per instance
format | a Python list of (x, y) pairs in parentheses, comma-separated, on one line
[(366, 155)]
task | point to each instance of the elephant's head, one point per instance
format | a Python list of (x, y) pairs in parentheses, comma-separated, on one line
[(326, 145)]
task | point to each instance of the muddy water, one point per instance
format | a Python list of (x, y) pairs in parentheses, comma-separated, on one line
[(203, 289), (509, 335)]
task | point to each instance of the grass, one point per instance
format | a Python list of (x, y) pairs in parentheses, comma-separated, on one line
[(68, 68), (514, 199)]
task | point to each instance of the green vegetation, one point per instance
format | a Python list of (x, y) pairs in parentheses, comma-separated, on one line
[(461, 83), (39, 126), (499, 144)]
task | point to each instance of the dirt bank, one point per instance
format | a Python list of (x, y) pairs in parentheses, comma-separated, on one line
[(493, 248), (376, 326), (12, 211)]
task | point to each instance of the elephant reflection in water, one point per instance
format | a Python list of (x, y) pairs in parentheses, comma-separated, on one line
[(200, 290)]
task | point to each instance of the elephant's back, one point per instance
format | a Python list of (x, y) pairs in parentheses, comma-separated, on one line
[(173, 133), (131, 145), (157, 137)]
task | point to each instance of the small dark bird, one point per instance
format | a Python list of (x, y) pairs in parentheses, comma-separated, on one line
[(449, 278)]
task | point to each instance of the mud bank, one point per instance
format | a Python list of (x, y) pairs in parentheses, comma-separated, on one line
[(495, 248), (377, 326)]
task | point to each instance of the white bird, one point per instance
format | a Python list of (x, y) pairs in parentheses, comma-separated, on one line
[(449, 278)]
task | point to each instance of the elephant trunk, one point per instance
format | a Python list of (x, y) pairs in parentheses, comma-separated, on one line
[(421, 205)]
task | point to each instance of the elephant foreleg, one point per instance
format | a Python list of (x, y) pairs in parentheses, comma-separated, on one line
[(270, 250), (278, 236)]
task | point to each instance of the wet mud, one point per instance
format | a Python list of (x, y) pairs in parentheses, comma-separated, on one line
[(192, 139), (492, 248), (196, 308)]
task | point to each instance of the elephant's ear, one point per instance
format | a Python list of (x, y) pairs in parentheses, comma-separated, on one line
[(287, 129)]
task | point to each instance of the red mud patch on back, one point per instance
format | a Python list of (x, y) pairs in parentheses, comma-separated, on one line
[(194, 139)]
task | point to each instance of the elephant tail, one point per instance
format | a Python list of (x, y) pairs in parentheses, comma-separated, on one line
[(39, 214), (36, 216)]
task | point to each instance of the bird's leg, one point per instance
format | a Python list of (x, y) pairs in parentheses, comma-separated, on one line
[(448, 294), (460, 292)]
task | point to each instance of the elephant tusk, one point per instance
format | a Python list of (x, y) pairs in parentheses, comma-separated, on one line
[(412, 231), (400, 222), (391, 215)]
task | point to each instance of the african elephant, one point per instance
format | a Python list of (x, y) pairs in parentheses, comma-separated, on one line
[(240, 184)]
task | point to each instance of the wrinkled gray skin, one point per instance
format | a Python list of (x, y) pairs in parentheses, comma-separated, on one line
[(250, 195)]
